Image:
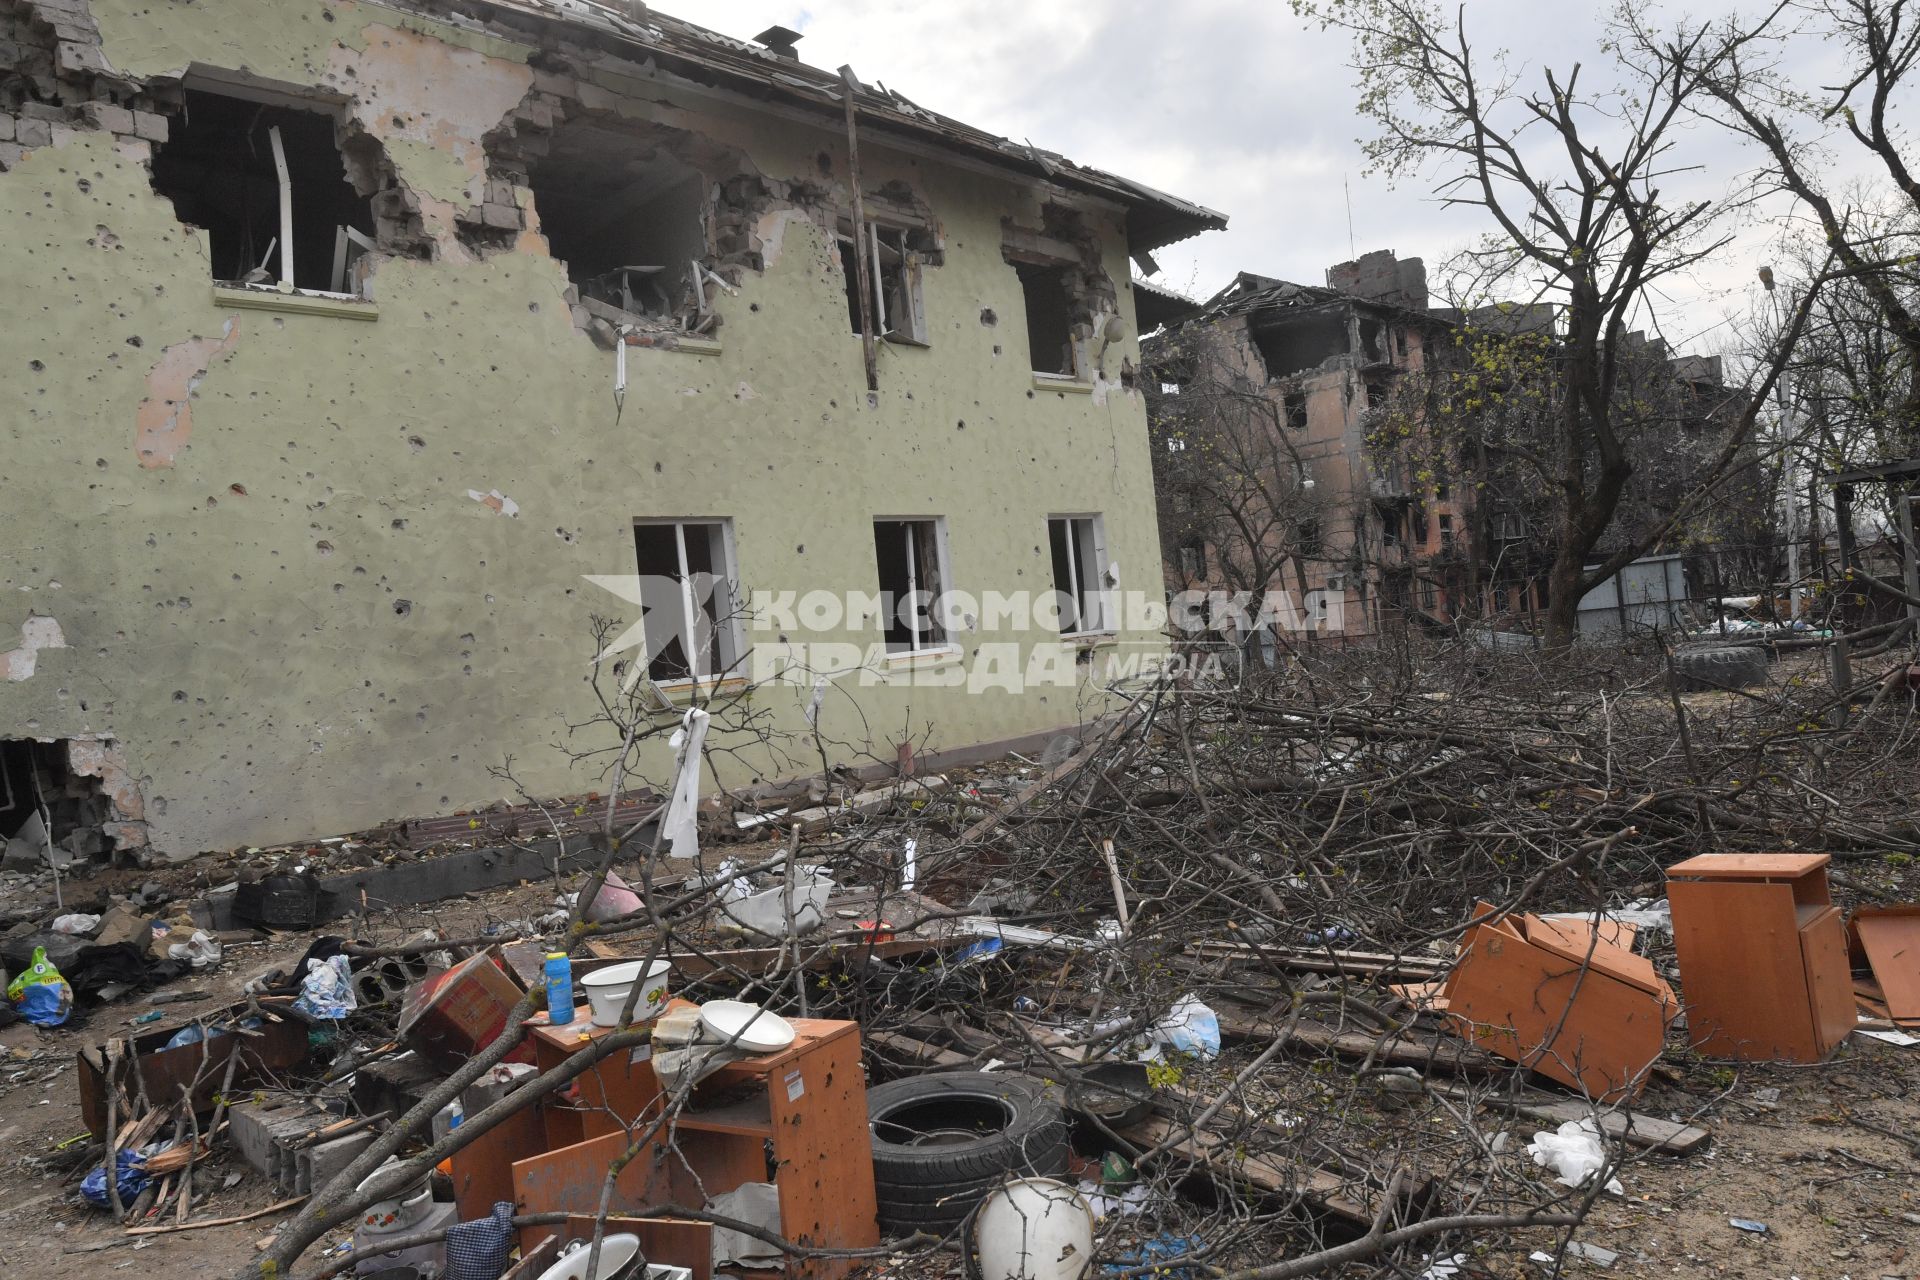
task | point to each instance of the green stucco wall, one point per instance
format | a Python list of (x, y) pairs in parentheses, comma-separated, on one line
[(231, 619)]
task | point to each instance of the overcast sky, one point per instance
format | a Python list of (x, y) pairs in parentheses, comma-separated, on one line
[(1235, 104)]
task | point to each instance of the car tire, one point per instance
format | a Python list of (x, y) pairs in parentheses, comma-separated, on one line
[(1720, 667), (943, 1141)]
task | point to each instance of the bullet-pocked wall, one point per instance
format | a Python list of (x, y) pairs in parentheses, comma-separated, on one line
[(311, 570)]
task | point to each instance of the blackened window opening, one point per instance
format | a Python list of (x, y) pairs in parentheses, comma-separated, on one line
[(217, 166), (1049, 318)]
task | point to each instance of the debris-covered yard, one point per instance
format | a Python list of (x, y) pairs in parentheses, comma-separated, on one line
[(1286, 980)]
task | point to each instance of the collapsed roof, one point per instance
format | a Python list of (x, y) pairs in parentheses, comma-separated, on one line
[(773, 75)]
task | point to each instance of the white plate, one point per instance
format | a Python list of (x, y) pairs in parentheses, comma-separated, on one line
[(759, 1031)]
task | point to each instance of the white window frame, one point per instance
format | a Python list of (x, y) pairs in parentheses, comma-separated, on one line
[(913, 283), (1086, 532), (693, 629), (916, 648)]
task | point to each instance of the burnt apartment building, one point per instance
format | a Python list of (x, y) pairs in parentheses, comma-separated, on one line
[(354, 346), (1294, 449)]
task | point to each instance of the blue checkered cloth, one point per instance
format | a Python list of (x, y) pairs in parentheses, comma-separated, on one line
[(478, 1250)]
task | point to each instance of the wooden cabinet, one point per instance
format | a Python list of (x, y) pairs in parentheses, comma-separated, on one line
[(1763, 956), (797, 1118)]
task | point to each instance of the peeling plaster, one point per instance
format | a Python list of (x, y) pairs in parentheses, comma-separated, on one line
[(36, 633), (164, 420), (495, 500), (421, 98), (770, 232)]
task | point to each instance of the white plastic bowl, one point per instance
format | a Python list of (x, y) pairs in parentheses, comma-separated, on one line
[(607, 991), (616, 1252), (1034, 1229)]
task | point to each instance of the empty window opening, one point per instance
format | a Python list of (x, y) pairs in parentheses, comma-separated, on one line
[(1050, 340), (1193, 560), (1300, 342), (43, 801), (269, 184), (1392, 523), (1446, 530), (896, 257), (1080, 568), (1296, 410), (1307, 536), (1371, 349), (687, 595), (911, 555), (627, 219)]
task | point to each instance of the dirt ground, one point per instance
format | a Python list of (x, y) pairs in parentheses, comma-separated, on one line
[(1822, 1166)]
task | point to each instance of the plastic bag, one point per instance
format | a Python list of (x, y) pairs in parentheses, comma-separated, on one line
[(1189, 1027), (40, 994), (131, 1176), (327, 990), (200, 951), (78, 923), (1574, 1153)]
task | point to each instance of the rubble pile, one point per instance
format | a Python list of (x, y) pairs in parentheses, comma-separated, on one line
[(1360, 963)]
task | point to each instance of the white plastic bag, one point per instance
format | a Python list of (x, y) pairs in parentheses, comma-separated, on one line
[(77, 923), (1574, 1154), (327, 990), (1189, 1027)]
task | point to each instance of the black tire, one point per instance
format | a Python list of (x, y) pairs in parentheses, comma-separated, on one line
[(942, 1141), (1729, 667)]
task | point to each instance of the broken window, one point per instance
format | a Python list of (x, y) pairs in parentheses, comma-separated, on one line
[(1376, 395), (1193, 560), (912, 556), (1296, 410), (687, 598), (895, 258), (45, 804), (1446, 530), (1307, 534), (1370, 349), (1298, 341), (268, 181), (628, 219), (1391, 523), (1080, 573), (1050, 341)]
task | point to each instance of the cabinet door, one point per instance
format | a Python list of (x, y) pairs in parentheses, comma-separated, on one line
[(1823, 943)]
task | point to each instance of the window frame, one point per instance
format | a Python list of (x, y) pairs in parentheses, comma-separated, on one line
[(1075, 347), (946, 645), (912, 275), (1100, 551), (728, 632)]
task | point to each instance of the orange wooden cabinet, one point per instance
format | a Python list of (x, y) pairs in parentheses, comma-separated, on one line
[(797, 1118), (1559, 996), (1763, 955)]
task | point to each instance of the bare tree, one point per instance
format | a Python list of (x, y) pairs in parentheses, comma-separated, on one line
[(1575, 181)]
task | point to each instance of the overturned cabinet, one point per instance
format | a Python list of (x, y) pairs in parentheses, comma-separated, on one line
[(796, 1119), (1763, 955), (1567, 998)]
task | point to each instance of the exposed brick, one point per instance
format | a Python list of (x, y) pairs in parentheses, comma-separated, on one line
[(10, 153), (34, 133), (6, 128), (41, 111), (76, 58), (150, 126), (109, 117), (503, 216)]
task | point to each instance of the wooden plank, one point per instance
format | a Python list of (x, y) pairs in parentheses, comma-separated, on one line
[(1649, 1133), (1399, 1050), (1269, 1173), (1359, 964), (918, 1050), (534, 1260)]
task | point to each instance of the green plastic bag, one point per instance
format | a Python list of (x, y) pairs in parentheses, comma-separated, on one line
[(41, 994)]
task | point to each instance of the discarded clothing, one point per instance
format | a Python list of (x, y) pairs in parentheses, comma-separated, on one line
[(478, 1250)]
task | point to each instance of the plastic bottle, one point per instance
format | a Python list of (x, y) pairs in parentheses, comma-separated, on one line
[(559, 989)]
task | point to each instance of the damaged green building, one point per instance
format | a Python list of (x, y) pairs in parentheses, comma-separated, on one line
[(373, 369)]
